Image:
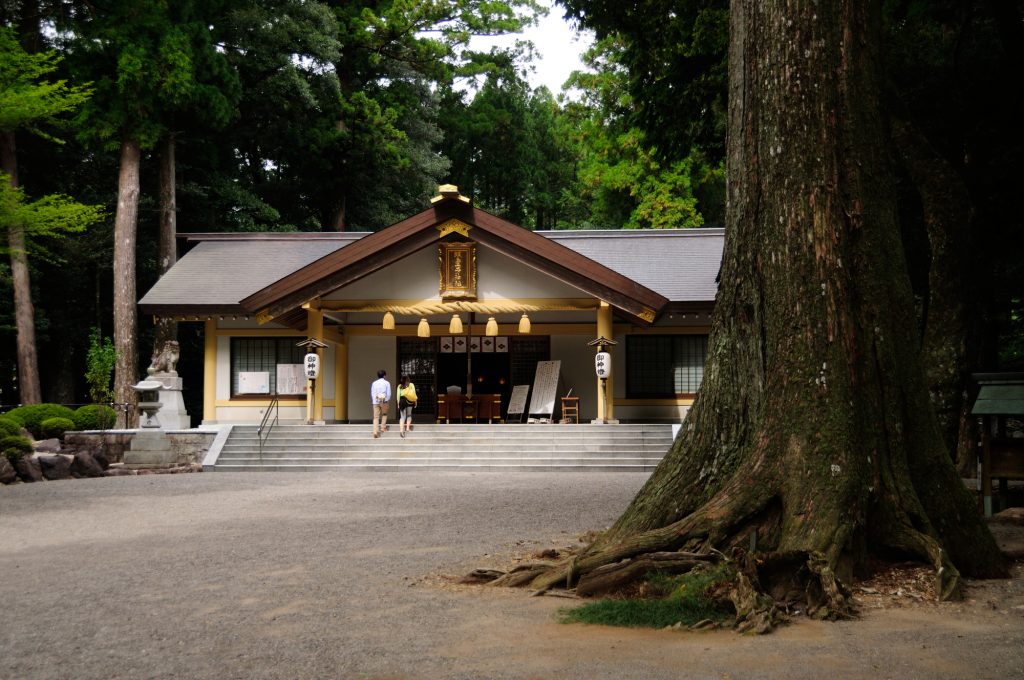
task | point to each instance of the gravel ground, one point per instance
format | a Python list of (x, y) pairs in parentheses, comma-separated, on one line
[(248, 575)]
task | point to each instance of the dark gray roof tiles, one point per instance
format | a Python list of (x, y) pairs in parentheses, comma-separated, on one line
[(222, 269), (681, 264)]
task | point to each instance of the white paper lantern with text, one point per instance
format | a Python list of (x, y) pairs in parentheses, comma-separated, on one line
[(603, 365)]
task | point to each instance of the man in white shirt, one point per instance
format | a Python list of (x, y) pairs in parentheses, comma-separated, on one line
[(380, 397)]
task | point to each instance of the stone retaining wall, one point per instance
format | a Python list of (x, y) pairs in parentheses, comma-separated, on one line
[(190, 446)]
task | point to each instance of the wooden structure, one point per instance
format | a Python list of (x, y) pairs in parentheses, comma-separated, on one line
[(478, 408), (999, 395), (571, 409)]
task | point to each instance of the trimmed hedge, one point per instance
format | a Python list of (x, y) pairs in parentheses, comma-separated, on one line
[(56, 427), (9, 427), (94, 417), (31, 417), (15, 447)]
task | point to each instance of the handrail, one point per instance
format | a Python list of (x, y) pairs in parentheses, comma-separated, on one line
[(275, 405)]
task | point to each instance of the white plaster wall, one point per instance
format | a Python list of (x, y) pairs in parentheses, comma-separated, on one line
[(367, 355), (254, 414), (415, 278)]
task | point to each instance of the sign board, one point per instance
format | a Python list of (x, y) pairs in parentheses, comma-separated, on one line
[(545, 387), (517, 402), (254, 382), (291, 379)]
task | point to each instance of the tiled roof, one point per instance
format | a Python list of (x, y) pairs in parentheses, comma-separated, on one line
[(681, 264), (219, 273)]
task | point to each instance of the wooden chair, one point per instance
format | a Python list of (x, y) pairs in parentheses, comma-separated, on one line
[(571, 409)]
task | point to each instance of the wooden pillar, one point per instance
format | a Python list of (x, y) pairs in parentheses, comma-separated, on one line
[(315, 330), (210, 371), (605, 329)]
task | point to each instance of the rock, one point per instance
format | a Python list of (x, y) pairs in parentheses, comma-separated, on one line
[(7, 472), (47, 446), (1009, 516), (55, 467), (84, 465), (100, 456), (120, 472), (28, 469)]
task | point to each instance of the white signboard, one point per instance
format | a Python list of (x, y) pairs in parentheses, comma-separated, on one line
[(254, 382), (291, 379), (517, 403), (545, 387)]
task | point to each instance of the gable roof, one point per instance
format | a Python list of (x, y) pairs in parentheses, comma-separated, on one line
[(376, 251)]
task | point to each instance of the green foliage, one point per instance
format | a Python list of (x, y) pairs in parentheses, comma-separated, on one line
[(15, 447), (56, 427), (99, 366), (9, 427), (685, 599), (48, 217), (26, 98), (32, 416), (95, 417)]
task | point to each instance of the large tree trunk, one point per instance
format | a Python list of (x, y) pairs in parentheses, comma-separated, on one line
[(24, 312), (167, 329), (812, 430), (125, 326), (950, 344)]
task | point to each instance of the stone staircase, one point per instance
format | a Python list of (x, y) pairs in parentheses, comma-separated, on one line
[(535, 447)]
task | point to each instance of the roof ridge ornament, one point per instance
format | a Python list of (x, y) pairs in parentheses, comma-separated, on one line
[(448, 191)]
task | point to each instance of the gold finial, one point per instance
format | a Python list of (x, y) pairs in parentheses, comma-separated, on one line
[(448, 191)]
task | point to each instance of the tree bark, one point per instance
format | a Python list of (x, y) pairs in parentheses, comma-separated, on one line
[(126, 371), (812, 429), (167, 329), (950, 343), (29, 390)]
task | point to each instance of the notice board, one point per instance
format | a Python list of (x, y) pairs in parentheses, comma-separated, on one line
[(545, 387), (517, 403)]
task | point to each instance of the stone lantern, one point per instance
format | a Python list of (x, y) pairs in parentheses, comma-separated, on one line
[(150, 447), (149, 402)]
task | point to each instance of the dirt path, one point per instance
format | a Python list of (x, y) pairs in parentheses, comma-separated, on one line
[(298, 576)]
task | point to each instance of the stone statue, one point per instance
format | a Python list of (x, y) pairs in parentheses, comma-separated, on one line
[(165, 360)]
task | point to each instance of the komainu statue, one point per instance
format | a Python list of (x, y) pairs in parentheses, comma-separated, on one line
[(165, 360)]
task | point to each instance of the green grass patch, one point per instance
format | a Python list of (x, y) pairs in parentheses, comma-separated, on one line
[(669, 600)]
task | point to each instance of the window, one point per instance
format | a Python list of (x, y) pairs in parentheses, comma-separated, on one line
[(664, 366), (267, 366)]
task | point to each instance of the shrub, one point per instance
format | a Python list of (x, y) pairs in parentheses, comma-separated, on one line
[(95, 417), (9, 427), (56, 427), (15, 447), (31, 417)]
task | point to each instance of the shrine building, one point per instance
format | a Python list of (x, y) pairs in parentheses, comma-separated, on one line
[(462, 301)]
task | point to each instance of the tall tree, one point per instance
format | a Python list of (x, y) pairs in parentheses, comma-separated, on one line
[(28, 100), (813, 428)]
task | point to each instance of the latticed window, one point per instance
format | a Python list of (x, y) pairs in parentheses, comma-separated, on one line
[(255, 361), (417, 358), (664, 366), (526, 352)]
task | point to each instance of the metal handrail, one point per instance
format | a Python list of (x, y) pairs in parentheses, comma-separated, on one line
[(274, 406)]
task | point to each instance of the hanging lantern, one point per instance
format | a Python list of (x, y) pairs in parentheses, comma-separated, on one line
[(492, 327), (423, 330), (524, 324), (455, 327), (389, 321)]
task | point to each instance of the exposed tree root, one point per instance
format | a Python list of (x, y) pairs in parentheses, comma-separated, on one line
[(613, 577)]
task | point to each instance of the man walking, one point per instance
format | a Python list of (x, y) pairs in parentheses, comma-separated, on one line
[(380, 397)]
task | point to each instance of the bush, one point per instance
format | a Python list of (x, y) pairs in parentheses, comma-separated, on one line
[(15, 447), (95, 417), (56, 427), (9, 427), (31, 417)]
